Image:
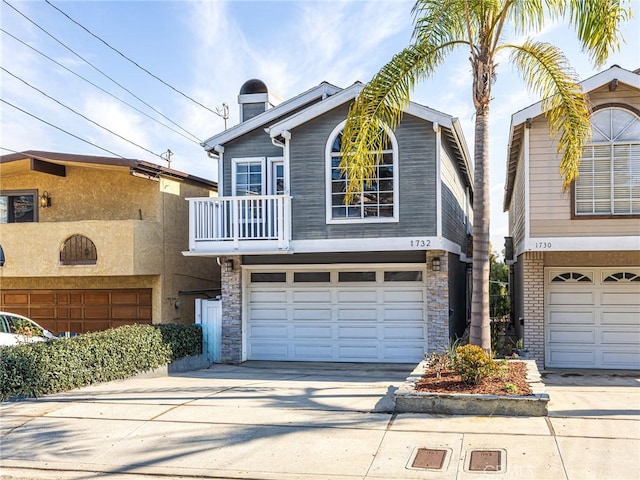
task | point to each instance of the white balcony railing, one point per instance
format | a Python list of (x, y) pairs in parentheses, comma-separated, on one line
[(242, 224)]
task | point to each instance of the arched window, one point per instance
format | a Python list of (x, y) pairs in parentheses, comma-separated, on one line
[(78, 250), (378, 200), (1, 256), (609, 175)]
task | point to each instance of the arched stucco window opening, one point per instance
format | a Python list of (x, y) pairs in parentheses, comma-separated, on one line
[(78, 250)]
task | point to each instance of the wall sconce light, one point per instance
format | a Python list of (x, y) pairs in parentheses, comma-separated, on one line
[(45, 200), (228, 266), (435, 264)]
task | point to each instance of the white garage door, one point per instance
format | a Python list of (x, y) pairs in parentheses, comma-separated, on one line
[(592, 318), (359, 314)]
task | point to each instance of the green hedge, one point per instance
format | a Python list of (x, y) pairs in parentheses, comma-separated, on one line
[(42, 368)]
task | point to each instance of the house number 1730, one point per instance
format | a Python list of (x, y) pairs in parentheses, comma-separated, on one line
[(420, 243)]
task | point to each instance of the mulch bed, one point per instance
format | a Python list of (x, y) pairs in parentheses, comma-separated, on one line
[(450, 382)]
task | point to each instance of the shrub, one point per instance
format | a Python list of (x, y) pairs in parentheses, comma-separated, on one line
[(473, 364), (184, 340), (42, 368)]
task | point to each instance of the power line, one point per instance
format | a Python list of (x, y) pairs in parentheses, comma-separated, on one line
[(225, 113), (100, 71), (58, 128), (96, 86), (78, 113)]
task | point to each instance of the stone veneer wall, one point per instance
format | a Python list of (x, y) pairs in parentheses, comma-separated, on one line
[(533, 305), (438, 302), (231, 311)]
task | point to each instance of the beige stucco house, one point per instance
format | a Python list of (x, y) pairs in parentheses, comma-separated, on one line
[(88, 243), (575, 254)]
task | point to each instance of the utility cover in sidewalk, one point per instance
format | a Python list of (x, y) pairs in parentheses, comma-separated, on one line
[(487, 461), (429, 459)]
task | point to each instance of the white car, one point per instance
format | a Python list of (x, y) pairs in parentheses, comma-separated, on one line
[(16, 329)]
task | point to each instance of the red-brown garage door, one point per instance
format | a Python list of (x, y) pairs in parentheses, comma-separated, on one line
[(80, 311)]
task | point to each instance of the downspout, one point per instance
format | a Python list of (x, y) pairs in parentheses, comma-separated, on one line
[(438, 132), (219, 156), (527, 218)]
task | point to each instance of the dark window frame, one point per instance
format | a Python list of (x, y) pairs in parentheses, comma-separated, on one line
[(19, 193)]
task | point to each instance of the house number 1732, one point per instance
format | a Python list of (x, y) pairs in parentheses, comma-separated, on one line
[(421, 243)]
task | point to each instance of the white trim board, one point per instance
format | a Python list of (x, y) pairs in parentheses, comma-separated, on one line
[(578, 244)]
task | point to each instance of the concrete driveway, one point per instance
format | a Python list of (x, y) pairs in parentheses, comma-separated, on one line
[(263, 420)]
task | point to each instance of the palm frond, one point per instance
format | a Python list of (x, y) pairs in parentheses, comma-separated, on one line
[(380, 106), (596, 23), (547, 72)]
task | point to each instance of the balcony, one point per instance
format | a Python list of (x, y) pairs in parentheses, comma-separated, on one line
[(239, 225)]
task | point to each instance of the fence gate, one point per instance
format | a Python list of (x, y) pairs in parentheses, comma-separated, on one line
[(209, 315)]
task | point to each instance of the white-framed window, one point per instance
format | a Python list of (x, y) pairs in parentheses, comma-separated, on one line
[(609, 174), (378, 201), (277, 180), (248, 176)]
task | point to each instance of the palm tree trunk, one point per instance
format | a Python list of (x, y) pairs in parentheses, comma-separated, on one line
[(483, 76), (480, 331)]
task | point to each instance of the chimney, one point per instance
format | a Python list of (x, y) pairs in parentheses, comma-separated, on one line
[(254, 99)]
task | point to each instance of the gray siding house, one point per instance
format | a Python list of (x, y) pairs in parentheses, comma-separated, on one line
[(306, 277)]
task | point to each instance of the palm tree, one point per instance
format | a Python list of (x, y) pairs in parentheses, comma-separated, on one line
[(440, 27)]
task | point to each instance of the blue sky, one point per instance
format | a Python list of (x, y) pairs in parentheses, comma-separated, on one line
[(207, 49)]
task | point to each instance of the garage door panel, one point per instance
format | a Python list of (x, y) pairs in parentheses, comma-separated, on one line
[(358, 351), (259, 314), (403, 314), (268, 296), (312, 331), (312, 351), (614, 317), (273, 351), (363, 331), (572, 336), (311, 296), (357, 296), (621, 337), (621, 298), (403, 296), (573, 357), (576, 317), (620, 358), (313, 314), (403, 332), (268, 331), (363, 314), (571, 297)]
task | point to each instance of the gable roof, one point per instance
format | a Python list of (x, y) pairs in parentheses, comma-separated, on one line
[(449, 124), (520, 118), (318, 92), (139, 167)]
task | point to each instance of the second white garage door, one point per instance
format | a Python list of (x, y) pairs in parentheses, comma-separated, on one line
[(356, 314), (592, 318)]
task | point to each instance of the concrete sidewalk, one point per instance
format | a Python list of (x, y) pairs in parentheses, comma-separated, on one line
[(283, 421)]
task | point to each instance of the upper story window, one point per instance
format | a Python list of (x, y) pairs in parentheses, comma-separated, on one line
[(19, 206), (609, 174), (378, 201), (258, 176)]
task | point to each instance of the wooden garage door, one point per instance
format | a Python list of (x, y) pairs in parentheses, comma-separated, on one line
[(80, 311), (592, 318), (358, 314)]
